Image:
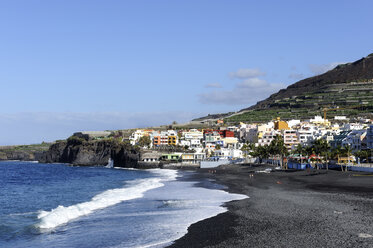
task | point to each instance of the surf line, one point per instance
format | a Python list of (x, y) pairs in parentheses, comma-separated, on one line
[(62, 215)]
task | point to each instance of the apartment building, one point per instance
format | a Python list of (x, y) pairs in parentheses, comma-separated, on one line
[(354, 139), (369, 137), (290, 139), (266, 138)]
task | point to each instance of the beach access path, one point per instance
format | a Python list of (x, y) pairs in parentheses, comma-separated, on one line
[(288, 209)]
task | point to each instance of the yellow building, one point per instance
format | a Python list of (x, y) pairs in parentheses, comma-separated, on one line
[(319, 121), (263, 128), (281, 125), (172, 140)]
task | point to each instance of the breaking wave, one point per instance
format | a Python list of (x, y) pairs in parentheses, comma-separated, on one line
[(135, 189)]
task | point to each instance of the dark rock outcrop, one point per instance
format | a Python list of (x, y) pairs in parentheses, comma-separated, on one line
[(91, 153), (17, 155)]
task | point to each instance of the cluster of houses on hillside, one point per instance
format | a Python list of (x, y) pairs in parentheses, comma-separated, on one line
[(227, 141)]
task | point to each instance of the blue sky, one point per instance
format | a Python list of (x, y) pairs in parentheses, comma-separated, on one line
[(77, 65)]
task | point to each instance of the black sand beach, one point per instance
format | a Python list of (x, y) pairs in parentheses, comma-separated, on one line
[(288, 209)]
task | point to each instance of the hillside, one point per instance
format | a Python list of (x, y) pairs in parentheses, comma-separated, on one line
[(348, 87), (23, 152)]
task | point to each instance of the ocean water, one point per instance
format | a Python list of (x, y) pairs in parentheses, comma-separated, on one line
[(56, 205)]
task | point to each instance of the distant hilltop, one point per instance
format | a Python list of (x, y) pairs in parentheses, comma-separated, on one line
[(344, 90)]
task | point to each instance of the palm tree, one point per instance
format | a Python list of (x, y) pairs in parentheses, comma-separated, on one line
[(361, 154), (328, 154), (246, 148), (348, 150), (338, 151), (321, 146), (299, 150), (264, 151), (277, 147), (260, 152)]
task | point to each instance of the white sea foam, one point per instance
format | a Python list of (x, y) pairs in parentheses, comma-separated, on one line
[(136, 189), (22, 214), (181, 203)]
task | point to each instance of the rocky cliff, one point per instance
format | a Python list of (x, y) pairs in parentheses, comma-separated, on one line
[(23, 152), (77, 151), (18, 155)]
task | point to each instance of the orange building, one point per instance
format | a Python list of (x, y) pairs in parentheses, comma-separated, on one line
[(164, 140), (220, 121), (157, 140)]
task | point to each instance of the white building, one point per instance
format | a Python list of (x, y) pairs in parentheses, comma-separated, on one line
[(355, 139), (184, 143), (195, 143), (318, 120), (249, 133), (198, 156), (305, 137), (230, 142), (369, 137), (340, 118), (308, 132), (212, 137), (192, 134), (352, 126), (293, 123), (171, 132), (266, 138), (229, 153), (135, 136), (210, 146)]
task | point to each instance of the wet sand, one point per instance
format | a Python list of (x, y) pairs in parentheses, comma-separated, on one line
[(288, 209)]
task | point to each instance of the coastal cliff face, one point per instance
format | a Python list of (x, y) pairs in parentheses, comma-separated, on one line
[(91, 153), (17, 155), (23, 153)]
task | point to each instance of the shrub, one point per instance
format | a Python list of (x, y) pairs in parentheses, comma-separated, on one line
[(74, 140)]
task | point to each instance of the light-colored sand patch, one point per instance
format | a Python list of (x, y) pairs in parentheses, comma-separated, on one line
[(365, 235)]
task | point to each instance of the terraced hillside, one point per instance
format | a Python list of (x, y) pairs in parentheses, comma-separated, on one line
[(346, 90)]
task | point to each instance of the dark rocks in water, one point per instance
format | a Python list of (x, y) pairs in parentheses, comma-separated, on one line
[(91, 153)]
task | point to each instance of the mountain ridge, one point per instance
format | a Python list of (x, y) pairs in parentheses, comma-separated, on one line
[(361, 69), (348, 86)]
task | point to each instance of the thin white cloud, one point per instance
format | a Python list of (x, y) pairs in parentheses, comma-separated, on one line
[(252, 83), (35, 127), (320, 69), (296, 76), (247, 73), (247, 92), (213, 85)]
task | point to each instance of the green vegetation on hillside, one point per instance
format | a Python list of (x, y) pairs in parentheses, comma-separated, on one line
[(31, 148), (348, 88), (349, 99)]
